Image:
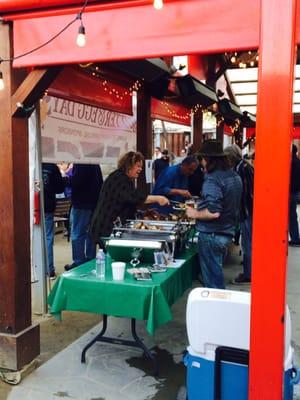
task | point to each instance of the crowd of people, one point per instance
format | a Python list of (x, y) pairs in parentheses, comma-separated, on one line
[(221, 180)]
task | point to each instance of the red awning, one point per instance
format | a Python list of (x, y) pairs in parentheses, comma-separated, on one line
[(117, 33), (23, 5), (171, 112), (77, 85)]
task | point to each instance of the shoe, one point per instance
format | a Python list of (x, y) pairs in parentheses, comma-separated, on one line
[(52, 276), (68, 267), (294, 243), (241, 280)]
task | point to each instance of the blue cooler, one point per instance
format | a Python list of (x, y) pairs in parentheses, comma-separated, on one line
[(218, 327)]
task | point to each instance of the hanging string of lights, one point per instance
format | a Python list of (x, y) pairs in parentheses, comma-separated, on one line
[(80, 40), (108, 87), (244, 59), (135, 87)]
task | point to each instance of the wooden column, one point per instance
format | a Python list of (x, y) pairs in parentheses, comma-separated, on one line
[(271, 193), (144, 133), (19, 339), (197, 130)]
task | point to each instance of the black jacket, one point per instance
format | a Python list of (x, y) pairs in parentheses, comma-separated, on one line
[(118, 198), (86, 182), (246, 172), (53, 183)]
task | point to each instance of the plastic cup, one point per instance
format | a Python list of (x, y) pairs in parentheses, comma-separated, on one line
[(118, 270)]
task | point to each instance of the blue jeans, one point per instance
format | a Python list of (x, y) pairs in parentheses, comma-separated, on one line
[(246, 243), (83, 247), (212, 249), (293, 218), (49, 226)]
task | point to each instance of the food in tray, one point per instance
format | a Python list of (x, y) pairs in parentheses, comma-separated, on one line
[(143, 225), (140, 274)]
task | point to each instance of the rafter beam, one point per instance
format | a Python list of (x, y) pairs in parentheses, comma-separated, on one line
[(32, 89)]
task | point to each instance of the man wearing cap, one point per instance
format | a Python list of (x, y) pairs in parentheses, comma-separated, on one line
[(217, 213)]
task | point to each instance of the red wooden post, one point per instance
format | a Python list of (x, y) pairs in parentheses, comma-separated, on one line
[(19, 340), (272, 166)]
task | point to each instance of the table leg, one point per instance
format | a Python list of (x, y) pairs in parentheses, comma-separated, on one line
[(137, 342), (140, 344), (96, 338)]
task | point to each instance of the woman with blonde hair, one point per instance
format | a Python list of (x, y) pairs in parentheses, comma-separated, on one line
[(119, 198)]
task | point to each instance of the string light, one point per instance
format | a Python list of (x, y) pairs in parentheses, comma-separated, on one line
[(81, 28), (158, 4), (243, 59), (183, 117), (81, 40), (1, 81)]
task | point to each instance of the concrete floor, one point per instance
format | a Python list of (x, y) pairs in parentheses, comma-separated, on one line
[(113, 372)]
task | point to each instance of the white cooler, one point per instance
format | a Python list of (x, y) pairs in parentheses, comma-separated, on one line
[(218, 327)]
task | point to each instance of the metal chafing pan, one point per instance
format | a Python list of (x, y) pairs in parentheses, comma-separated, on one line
[(165, 230)]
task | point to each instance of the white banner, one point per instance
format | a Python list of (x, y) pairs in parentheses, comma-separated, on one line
[(75, 132)]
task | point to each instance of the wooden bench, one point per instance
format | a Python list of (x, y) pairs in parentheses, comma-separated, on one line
[(62, 215)]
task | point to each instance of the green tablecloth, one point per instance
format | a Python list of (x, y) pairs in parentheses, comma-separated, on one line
[(143, 300)]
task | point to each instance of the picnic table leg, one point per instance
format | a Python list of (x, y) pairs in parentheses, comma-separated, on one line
[(96, 338), (137, 342), (143, 347)]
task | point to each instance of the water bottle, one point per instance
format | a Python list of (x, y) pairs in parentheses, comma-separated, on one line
[(100, 264)]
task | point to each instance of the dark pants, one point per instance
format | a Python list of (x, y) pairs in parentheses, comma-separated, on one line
[(293, 218), (246, 232)]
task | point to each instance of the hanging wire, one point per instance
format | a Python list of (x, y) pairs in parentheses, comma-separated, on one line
[(78, 16)]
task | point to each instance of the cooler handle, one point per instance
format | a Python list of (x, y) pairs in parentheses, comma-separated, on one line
[(296, 376), (230, 354)]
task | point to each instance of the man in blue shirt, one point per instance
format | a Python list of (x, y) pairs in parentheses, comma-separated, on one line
[(173, 181), (217, 213)]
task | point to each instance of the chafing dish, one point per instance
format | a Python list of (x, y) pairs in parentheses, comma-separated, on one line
[(141, 237)]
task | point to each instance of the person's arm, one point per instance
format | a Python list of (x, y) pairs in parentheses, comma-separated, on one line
[(210, 207), (161, 200), (180, 192), (58, 181), (203, 215)]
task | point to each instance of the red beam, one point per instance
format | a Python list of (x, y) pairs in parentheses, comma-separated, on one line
[(272, 167), (119, 34)]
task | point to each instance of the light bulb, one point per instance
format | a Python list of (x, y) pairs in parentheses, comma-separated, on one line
[(1, 81), (158, 4), (233, 59), (80, 40)]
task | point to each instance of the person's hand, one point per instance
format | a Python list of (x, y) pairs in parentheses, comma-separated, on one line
[(185, 193), (191, 212), (162, 201)]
